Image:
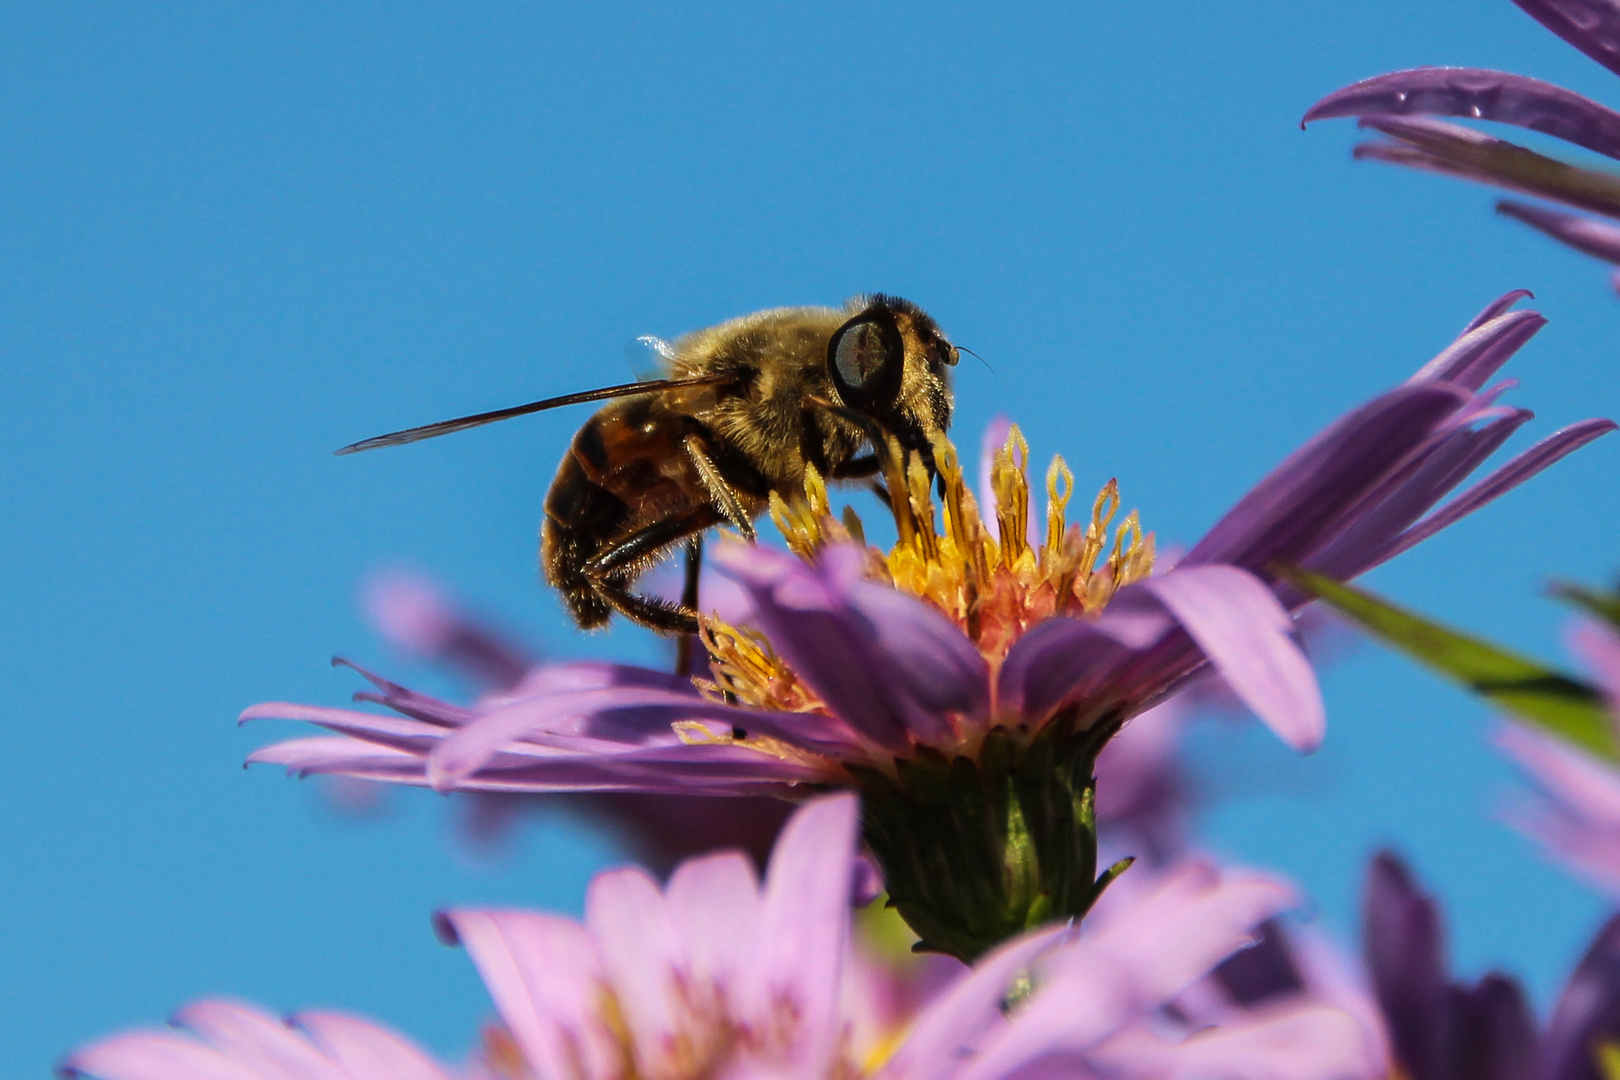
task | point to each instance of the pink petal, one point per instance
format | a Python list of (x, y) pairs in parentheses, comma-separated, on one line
[(395, 731), (542, 973), (1545, 453), (1481, 351), (1334, 979), (1138, 958), (1576, 779), (1498, 306), (804, 923), (331, 753), (1194, 916), (155, 1055), (713, 903), (252, 1036), (1592, 854), (635, 941), (951, 1027), (368, 1051), (1481, 94), (1600, 239), (1454, 150), (1237, 622), (1597, 646), (1592, 26), (1294, 1042)]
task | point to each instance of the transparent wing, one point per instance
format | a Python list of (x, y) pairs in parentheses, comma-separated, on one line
[(648, 356)]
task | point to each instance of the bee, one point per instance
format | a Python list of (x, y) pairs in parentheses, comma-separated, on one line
[(744, 409)]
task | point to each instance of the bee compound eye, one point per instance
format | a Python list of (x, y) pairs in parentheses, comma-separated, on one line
[(866, 358)]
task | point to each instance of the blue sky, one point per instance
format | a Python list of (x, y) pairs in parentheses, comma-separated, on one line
[(236, 239)]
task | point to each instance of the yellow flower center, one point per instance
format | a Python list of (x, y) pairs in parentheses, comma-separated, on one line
[(992, 582)]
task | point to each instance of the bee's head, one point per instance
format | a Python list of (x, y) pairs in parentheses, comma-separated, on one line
[(887, 362)]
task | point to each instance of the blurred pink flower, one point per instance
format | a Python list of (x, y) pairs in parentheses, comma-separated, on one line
[(716, 975), (720, 975), (1574, 809), (235, 1041)]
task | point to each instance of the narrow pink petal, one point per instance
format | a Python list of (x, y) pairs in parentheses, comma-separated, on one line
[(1140, 957), (329, 753), (395, 731), (951, 1027), (411, 611), (1284, 516), (1597, 646), (1590, 236), (804, 923), (836, 651), (368, 1051), (1592, 854), (155, 1055), (1193, 917), (1498, 306), (416, 615), (1480, 352), (1452, 150), (1581, 782), (1592, 26), (1548, 452), (1334, 979), (543, 975), (617, 717), (254, 1037), (1482, 95), (636, 944), (1293, 1042), (1237, 622), (714, 903)]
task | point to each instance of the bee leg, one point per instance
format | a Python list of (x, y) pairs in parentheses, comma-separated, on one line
[(611, 572), (686, 644), (648, 611), (856, 468), (720, 493)]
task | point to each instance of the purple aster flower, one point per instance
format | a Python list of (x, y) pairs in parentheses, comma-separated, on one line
[(231, 1040), (964, 682), (720, 974), (1440, 1029), (1400, 106), (420, 618)]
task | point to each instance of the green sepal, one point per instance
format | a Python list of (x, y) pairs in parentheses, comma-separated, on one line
[(976, 851), (1605, 606), (1557, 703)]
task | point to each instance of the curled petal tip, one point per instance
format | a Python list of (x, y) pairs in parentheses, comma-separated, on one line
[(444, 928), (265, 710)]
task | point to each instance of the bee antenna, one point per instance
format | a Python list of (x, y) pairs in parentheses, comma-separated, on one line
[(976, 356)]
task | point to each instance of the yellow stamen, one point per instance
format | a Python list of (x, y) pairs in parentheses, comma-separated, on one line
[(993, 588), (1059, 487), (1010, 481), (700, 733)]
